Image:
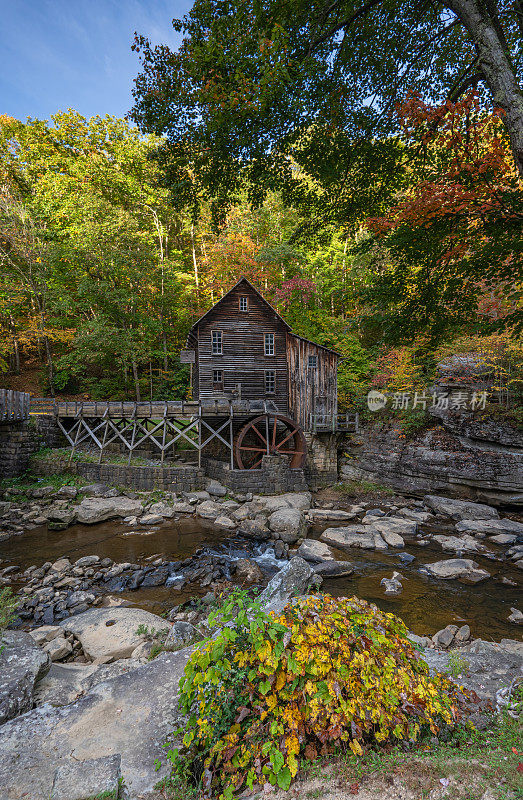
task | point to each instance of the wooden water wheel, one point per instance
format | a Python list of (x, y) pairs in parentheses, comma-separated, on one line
[(274, 434)]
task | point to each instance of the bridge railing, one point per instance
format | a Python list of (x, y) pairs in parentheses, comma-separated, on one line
[(14, 406), (334, 423)]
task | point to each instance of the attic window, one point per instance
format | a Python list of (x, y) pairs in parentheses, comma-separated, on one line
[(244, 303), (313, 362), (269, 344), (217, 343)]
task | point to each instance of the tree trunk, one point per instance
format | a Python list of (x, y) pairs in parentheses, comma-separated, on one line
[(195, 265), (136, 381), (496, 67), (16, 349)]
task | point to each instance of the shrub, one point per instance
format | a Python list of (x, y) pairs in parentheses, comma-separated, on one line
[(8, 606), (268, 690)]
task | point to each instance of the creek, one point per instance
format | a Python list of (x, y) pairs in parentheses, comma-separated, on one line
[(425, 604)]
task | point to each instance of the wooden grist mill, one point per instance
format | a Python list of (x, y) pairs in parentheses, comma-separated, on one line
[(258, 388)]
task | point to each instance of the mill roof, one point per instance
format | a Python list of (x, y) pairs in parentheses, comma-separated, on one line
[(244, 280)]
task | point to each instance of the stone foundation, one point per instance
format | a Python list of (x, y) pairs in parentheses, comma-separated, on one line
[(274, 476), (20, 441), (321, 466)]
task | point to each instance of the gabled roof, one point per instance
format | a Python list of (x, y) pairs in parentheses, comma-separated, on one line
[(254, 289), (244, 280)]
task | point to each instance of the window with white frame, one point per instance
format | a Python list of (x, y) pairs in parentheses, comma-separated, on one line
[(244, 303), (269, 344), (217, 343), (313, 362), (270, 381), (217, 378)]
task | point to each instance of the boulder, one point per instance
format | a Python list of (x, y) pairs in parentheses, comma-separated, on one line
[(225, 523), (111, 633), (253, 529), (183, 508), (389, 532), (516, 616), (289, 524), (87, 561), (463, 634), (504, 538), (61, 565), (454, 568), (292, 580), (60, 517), (354, 536), (418, 516), (328, 514), (67, 492), (333, 569), (445, 637), (247, 571), (98, 509), (209, 509), (95, 490), (150, 519), (314, 551), (130, 715), (162, 510), (181, 634), (58, 648), (22, 664), (395, 525), (459, 509), (271, 503), (45, 633), (66, 682), (491, 527)]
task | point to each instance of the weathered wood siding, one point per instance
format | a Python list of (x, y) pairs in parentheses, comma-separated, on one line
[(243, 361), (192, 344), (311, 390)]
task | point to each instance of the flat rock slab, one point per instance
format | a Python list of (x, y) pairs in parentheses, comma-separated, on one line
[(271, 503), (491, 527), (110, 633), (131, 715), (65, 683), (363, 536), (22, 664), (463, 568), (459, 509), (395, 525), (98, 509), (456, 544), (328, 514), (88, 780)]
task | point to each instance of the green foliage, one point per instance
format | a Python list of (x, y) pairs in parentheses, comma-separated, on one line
[(8, 607), (457, 665), (269, 689)]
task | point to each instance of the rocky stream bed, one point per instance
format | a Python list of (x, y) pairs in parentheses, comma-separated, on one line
[(108, 580)]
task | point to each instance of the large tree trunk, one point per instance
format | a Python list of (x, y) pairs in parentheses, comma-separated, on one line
[(495, 65)]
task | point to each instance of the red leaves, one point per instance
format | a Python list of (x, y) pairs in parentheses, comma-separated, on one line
[(354, 788)]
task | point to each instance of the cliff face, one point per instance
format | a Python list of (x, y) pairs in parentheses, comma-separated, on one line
[(462, 455)]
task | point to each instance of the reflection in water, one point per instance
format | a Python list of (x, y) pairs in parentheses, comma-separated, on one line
[(425, 604)]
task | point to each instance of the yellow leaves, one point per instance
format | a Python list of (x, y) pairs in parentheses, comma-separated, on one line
[(356, 747), (281, 680)]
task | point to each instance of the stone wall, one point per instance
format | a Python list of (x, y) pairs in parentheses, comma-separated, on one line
[(274, 476), (182, 478), (20, 441), (321, 467)]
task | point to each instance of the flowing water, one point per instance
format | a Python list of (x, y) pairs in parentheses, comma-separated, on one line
[(426, 604)]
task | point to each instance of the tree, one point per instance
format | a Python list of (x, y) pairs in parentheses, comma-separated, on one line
[(292, 96)]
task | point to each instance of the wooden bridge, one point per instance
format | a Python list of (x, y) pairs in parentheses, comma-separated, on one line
[(14, 406), (247, 429)]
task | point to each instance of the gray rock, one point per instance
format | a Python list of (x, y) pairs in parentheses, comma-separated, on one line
[(362, 536), (463, 634), (161, 510), (516, 616), (88, 780), (22, 664), (333, 569), (458, 544), (392, 585), (504, 538), (418, 516), (61, 565), (216, 489), (79, 598), (225, 523), (111, 633), (253, 529), (289, 524), (459, 509), (445, 637), (314, 551), (406, 558), (491, 526), (87, 561), (95, 490), (454, 568), (181, 634), (299, 500), (45, 633), (292, 580), (67, 492), (150, 519), (183, 508), (328, 514), (392, 532), (61, 516), (247, 571), (58, 648), (209, 509), (98, 509), (131, 714), (65, 683)]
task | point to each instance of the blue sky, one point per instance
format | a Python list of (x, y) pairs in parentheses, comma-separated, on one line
[(60, 54)]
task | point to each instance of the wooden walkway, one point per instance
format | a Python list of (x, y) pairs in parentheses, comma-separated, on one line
[(14, 406)]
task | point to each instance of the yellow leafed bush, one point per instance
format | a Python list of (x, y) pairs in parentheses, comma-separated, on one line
[(324, 672)]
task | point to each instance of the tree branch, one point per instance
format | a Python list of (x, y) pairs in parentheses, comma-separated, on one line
[(361, 12)]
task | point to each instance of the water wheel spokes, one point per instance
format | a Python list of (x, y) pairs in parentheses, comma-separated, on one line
[(280, 436)]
